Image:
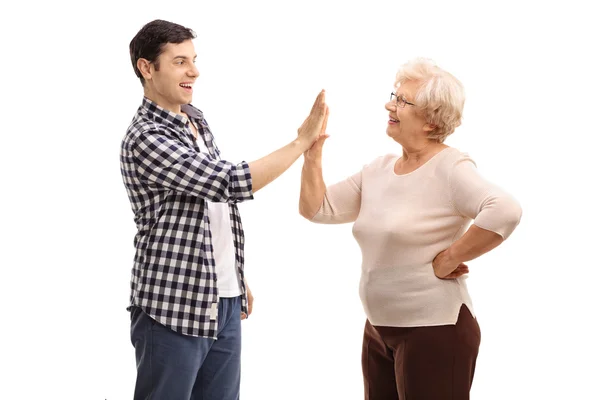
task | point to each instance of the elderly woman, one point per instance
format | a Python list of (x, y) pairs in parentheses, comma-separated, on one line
[(412, 219)]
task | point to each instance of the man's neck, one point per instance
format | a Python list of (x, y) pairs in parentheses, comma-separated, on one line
[(175, 108)]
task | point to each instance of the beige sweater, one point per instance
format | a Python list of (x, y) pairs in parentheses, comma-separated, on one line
[(403, 221)]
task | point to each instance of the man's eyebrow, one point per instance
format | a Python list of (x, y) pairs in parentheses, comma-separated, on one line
[(184, 57)]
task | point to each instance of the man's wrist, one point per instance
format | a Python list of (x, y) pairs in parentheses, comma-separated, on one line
[(301, 144)]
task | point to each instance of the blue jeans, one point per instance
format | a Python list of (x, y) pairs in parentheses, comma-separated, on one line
[(172, 366)]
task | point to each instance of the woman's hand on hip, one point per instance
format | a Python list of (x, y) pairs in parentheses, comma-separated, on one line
[(445, 267)]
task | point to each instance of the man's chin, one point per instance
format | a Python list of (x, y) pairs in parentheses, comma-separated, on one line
[(186, 100)]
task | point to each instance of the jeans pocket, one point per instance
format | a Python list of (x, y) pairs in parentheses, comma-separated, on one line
[(134, 312)]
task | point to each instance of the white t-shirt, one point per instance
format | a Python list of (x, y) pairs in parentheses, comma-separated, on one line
[(228, 282)]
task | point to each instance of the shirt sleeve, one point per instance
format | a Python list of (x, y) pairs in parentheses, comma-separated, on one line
[(341, 203), (164, 162), (488, 205)]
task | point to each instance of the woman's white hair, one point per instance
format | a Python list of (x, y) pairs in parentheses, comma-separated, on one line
[(440, 97)]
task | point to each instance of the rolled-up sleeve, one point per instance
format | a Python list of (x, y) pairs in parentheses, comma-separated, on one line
[(341, 203), (488, 205), (164, 162)]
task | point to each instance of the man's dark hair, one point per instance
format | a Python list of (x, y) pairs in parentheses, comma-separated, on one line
[(149, 42)]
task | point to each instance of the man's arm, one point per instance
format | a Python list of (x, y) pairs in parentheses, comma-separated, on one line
[(250, 300), (162, 161), (268, 168)]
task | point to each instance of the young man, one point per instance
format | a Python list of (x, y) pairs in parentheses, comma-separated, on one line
[(187, 283)]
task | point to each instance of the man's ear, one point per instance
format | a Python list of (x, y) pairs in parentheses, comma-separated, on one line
[(145, 68)]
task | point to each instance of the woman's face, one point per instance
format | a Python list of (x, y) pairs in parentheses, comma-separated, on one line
[(404, 121)]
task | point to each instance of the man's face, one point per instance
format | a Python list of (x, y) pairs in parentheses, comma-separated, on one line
[(170, 86)]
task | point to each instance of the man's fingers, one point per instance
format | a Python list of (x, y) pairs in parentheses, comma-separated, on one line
[(318, 101), (321, 106), (318, 110), (319, 118), (324, 126)]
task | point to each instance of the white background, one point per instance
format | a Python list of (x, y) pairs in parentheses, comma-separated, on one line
[(531, 122)]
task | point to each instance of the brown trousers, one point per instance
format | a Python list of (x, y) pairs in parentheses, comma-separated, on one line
[(421, 363)]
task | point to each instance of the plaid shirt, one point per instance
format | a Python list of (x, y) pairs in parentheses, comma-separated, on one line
[(168, 181)]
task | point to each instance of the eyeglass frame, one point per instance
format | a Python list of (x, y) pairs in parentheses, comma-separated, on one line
[(401, 102)]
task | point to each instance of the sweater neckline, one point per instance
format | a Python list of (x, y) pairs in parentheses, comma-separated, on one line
[(419, 168)]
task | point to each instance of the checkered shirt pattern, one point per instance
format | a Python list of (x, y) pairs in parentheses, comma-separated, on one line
[(168, 181)]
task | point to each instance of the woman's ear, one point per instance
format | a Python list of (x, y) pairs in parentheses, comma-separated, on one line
[(429, 127)]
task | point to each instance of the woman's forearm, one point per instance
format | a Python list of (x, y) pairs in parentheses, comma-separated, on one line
[(475, 242), (312, 188)]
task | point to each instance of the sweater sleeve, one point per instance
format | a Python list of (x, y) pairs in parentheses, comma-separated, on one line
[(341, 203), (488, 205)]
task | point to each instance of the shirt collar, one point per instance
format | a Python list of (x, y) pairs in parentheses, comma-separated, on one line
[(192, 111), (162, 115)]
